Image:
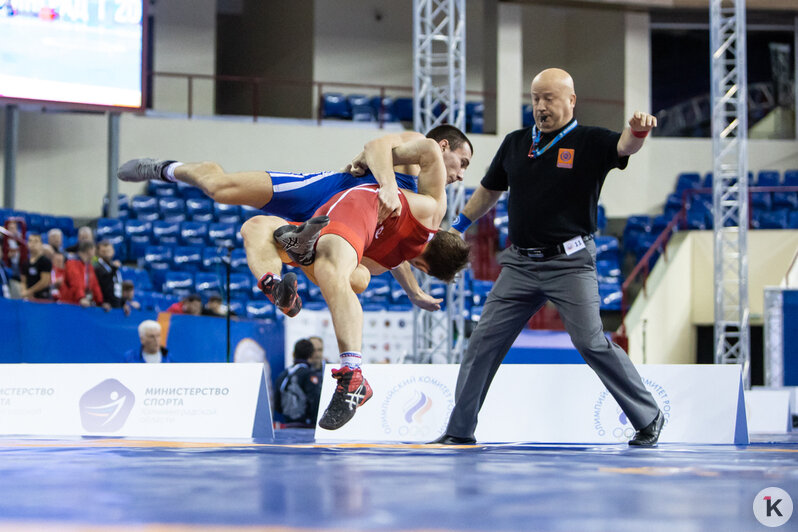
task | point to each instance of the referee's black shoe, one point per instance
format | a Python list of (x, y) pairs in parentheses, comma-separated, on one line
[(649, 435), (454, 440)]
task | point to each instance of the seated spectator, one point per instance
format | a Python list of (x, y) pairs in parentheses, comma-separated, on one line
[(85, 234), (55, 239), (57, 275), (299, 388), (13, 272), (80, 284), (35, 272), (129, 296), (108, 276), (150, 350), (191, 304), (215, 307)]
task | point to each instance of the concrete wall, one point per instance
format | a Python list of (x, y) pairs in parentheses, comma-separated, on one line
[(661, 324)]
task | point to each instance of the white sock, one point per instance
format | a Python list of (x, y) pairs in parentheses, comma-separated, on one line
[(351, 359), (169, 171)]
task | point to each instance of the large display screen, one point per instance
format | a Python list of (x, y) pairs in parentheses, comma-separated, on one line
[(85, 52)]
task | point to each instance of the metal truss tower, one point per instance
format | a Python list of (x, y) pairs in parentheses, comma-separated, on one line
[(439, 98), (730, 182)]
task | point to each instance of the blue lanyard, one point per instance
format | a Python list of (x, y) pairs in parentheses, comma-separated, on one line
[(535, 152)]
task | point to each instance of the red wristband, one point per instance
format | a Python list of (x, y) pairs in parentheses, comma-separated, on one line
[(639, 134)]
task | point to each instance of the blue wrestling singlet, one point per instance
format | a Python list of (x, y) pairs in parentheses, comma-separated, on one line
[(297, 196)]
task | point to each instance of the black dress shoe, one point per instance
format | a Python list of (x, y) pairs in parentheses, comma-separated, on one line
[(454, 440), (648, 435)]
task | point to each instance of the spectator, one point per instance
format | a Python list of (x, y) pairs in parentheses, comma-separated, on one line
[(129, 295), (317, 360), (80, 284), (16, 229), (85, 234), (13, 272), (215, 307), (150, 350), (108, 276), (299, 388), (191, 304), (35, 272), (57, 276), (55, 239)]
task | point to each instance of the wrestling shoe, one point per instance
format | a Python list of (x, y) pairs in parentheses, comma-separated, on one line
[(299, 241), (145, 169), (352, 391), (282, 293)]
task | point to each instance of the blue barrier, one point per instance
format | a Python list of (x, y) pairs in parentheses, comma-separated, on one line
[(790, 310), (56, 333)]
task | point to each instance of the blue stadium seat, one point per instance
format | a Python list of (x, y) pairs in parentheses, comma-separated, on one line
[(166, 233), (378, 291), (120, 246), (383, 108), (179, 283), (476, 313), (248, 212), (222, 234), (260, 309), (157, 254), (122, 203), (792, 223), (240, 285), (335, 105), (187, 191), (480, 289), (34, 222), (212, 258), (697, 219), (361, 109), (194, 233), (403, 109), (776, 219), (658, 224), (66, 225), (199, 209), (207, 284), (607, 247), (108, 227), (153, 216), (761, 200), (608, 270), (227, 213), (161, 189), (238, 306), (138, 234), (636, 226), (188, 258), (601, 218), (707, 182), (138, 276), (787, 199), (145, 299), (686, 181), (527, 115), (475, 112), (48, 222), (610, 296), (140, 205), (768, 178), (238, 260), (170, 206)]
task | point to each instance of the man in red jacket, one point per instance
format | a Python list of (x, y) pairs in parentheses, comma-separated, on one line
[(80, 284)]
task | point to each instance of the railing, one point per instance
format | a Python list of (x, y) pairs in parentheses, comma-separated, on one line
[(679, 221), (257, 85)]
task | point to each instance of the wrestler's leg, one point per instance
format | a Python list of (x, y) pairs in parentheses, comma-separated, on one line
[(238, 188), (359, 280)]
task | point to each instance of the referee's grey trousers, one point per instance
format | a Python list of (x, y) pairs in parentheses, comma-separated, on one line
[(522, 288)]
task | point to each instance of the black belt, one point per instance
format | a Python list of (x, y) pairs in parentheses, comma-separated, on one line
[(545, 253)]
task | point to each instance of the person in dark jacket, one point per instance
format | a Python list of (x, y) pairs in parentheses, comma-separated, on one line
[(299, 388)]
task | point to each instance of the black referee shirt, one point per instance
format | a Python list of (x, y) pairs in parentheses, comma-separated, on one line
[(553, 197)]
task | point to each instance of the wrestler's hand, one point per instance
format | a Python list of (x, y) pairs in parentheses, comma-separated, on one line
[(641, 121), (424, 301), (358, 166), (390, 205)]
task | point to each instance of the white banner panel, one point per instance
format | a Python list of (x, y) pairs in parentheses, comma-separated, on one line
[(769, 410), (545, 403), (139, 400)]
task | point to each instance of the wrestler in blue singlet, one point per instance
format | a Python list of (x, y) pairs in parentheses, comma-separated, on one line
[(297, 196)]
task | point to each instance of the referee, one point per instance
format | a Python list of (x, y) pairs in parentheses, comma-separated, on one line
[(554, 172)]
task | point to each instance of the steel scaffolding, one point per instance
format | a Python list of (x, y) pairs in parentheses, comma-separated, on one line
[(439, 98), (730, 182)]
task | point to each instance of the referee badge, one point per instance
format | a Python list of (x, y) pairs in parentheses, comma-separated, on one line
[(565, 158)]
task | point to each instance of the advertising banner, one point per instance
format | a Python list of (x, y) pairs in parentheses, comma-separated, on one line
[(545, 403), (139, 400)]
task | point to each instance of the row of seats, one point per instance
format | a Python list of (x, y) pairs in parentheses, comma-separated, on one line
[(40, 223), (362, 108), (179, 209)]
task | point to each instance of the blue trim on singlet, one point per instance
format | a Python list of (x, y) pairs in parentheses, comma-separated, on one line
[(297, 196)]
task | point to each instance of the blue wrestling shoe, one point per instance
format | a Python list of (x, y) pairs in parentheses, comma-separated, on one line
[(146, 169), (299, 241)]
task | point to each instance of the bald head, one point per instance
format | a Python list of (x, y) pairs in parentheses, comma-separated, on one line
[(553, 99)]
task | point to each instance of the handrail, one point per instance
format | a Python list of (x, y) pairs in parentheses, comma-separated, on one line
[(680, 218)]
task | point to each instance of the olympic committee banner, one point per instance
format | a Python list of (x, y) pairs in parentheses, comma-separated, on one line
[(141, 400), (545, 403)]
